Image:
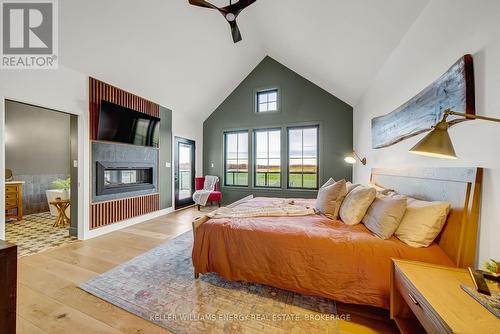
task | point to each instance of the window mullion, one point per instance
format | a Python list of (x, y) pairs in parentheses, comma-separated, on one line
[(267, 155)]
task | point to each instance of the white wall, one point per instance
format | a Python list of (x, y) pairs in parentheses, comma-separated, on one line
[(67, 90), (446, 30), (63, 90), (185, 127), (2, 167)]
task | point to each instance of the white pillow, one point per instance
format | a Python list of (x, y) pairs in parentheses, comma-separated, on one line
[(422, 222), (354, 206), (351, 186), (384, 215), (328, 183)]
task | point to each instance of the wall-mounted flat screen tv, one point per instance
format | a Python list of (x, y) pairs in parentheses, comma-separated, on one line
[(124, 125)]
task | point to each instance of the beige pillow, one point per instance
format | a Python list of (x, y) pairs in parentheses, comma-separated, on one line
[(384, 215), (329, 199), (422, 222), (354, 206)]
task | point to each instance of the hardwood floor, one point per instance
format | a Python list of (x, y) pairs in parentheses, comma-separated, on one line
[(50, 302)]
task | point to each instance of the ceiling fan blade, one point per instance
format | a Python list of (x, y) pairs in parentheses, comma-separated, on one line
[(202, 3), (235, 31), (236, 8)]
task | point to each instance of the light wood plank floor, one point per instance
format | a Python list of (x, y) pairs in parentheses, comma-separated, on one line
[(50, 302)]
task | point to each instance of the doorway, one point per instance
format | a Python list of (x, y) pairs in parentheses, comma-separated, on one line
[(184, 171), (41, 177)]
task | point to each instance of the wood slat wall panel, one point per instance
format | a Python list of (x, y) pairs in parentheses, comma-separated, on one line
[(110, 212), (99, 90), (107, 213)]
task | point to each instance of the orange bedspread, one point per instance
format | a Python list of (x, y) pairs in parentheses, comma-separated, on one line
[(312, 255)]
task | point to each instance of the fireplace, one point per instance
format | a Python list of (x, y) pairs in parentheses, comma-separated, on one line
[(113, 179)]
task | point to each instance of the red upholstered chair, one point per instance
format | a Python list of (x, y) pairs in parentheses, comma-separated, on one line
[(215, 196)]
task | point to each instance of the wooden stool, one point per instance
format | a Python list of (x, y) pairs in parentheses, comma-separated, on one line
[(61, 206)]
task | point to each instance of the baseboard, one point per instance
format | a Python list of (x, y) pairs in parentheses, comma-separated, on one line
[(73, 231), (126, 223)]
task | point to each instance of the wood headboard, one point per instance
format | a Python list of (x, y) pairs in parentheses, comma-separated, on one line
[(459, 186)]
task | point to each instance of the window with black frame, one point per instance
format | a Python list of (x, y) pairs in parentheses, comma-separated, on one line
[(236, 158), (303, 157), (267, 101), (267, 158)]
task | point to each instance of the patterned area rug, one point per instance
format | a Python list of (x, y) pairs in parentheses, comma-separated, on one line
[(159, 287), (35, 234)]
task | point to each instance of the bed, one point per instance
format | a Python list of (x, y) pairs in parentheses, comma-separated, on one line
[(314, 255)]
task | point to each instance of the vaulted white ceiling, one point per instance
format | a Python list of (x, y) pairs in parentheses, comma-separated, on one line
[(183, 57)]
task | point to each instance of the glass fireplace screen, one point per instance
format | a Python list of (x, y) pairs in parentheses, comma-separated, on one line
[(113, 180)]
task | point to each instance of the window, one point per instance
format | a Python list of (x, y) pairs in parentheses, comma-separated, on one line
[(236, 158), (268, 158), (303, 157), (267, 100)]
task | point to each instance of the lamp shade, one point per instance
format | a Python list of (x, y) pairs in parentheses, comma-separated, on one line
[(350, 159), (436, 143)]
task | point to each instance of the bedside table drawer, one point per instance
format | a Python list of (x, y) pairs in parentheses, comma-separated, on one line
[(11, 203), (429, 319), (11, 196), (11, 189)]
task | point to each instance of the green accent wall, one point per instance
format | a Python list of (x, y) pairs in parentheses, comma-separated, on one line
[(301, 102), (165, 180)]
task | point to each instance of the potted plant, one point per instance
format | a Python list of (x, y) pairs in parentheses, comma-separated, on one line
[(61, 189), (63, 185)]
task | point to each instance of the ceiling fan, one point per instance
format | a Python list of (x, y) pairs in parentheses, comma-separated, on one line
[(230, 13)]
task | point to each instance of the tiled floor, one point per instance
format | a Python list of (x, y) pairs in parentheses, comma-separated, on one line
[(35, 234)]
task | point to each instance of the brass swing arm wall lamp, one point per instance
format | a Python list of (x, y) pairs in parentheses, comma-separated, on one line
[(438, 143), (351, 158)]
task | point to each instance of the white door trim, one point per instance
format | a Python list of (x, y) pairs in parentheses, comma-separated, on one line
[(81, 173)]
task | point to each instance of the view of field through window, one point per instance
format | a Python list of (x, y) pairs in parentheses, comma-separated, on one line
[(236, 146), (303, 157), (268, 158)]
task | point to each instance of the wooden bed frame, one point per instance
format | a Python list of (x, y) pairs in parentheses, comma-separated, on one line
[(459, 186)]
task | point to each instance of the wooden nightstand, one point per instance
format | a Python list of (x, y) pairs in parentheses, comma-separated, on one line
[(14, 199), (426, 297)]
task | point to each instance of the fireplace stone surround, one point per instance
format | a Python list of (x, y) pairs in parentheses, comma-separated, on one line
[(134, 161)]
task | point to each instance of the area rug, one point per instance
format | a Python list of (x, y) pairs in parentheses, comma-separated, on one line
[(159, 287)]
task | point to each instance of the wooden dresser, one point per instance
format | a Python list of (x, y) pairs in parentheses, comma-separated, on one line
[(428, 298), (14, 199), (8, 287)]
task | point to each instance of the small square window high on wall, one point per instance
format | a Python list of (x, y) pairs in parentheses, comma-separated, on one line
[(267, 101)]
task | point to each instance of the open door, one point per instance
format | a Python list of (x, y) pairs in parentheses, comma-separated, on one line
[(184, 172), (2, 168)]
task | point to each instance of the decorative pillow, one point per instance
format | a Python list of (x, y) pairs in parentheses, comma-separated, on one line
[(422, 222), (354, 207), (329, 199), (384, 215), (382, 190), (351, 186), (328, 183)]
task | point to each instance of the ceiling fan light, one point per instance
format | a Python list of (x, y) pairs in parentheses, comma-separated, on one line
[(230, 17)]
